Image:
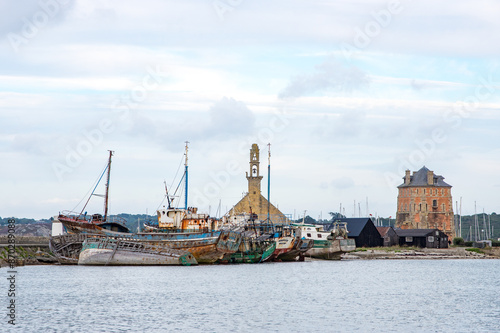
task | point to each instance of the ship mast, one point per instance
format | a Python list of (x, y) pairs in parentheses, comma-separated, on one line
[(107, 187), (268, 181), (186, 174)]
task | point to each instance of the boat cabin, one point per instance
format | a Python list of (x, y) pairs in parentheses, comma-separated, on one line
[(309, 231), (179, 218)]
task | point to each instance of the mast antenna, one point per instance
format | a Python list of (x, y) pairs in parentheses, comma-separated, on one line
[(107, 187), (186, 173), (269, 181)]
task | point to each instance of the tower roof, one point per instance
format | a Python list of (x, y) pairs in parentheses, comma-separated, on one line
[(420, 178)]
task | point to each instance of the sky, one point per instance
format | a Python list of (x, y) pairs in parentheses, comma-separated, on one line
[(349, 94)]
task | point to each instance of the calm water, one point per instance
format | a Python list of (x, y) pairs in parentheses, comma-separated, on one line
[(319, 296)]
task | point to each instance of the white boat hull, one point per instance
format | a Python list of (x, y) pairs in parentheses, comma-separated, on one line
[(124, 258)]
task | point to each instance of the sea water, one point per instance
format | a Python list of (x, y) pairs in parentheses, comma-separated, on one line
[(311, 296)]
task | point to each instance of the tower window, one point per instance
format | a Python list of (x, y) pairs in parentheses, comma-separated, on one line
[(434, 203)]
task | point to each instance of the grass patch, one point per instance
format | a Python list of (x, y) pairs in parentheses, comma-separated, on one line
[(388, 248), (474, 249)]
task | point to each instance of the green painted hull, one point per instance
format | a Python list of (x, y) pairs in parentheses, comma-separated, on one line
[(257, 252)]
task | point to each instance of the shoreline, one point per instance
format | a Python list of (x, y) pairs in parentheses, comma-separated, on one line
[(423, 253)]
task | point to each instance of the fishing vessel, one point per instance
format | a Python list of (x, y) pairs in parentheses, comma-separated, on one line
[(289, 247), (251, 250), (109, 251), (179, 228), (326, 244), (66, 248), (96, 223)]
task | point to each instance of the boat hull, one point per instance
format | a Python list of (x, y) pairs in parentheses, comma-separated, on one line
[(251, 252), (330, 249), (67, 248), (109, 251), (105, 257), (297, 252), (206, 247)]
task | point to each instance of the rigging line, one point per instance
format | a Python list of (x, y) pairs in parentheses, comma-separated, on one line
[(106, 168), (173, 181), (178, 185), (180, 194), (177, 172), (86, 194)]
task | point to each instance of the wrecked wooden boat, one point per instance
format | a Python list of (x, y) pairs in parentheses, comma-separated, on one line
[(179, 228), (106, 251), (292, 249), (326, 244), (250, 251), (66, 248), (289, 247), (206, 248)]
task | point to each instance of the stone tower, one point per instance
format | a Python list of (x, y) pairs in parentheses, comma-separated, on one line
[(254, 179), (425, 202), (254, 201)]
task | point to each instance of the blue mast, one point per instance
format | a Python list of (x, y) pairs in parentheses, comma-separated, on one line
[(268, 181), (186, 173)]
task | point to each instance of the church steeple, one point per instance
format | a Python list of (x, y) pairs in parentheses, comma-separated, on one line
[(254, 178)]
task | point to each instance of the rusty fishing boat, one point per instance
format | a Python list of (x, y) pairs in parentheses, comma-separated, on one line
[(179, 229), (326, 244)]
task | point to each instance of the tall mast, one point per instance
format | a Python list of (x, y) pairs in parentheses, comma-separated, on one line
[(460, 217), (268, 181), (107, 187), (485, 226), (475, 222), (186, 173)]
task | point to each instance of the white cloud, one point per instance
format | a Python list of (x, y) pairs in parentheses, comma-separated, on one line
[(343, 123)]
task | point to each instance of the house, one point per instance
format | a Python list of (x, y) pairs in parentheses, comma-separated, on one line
[(389, 236), (432, 238), (362, 230), (425, 202)]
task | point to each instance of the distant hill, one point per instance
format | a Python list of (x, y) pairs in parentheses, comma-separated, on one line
[(33, 229), (43, 227)]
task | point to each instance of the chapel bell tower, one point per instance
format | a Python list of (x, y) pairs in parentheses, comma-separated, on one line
[(254, 177)]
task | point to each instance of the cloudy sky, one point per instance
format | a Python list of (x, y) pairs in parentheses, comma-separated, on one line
[(348, 93)]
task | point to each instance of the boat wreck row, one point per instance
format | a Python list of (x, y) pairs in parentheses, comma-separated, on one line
[(182, 236), (250, 243)]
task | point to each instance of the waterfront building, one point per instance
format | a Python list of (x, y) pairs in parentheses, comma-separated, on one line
[(363, 231), (432, 238), (425, 202), (388, 235), (253, 201)]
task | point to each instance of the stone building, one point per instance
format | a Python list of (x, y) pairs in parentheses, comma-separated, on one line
[(425, 202), (254, 201)]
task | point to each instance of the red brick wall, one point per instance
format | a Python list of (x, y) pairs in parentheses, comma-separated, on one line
[(425, 207)]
